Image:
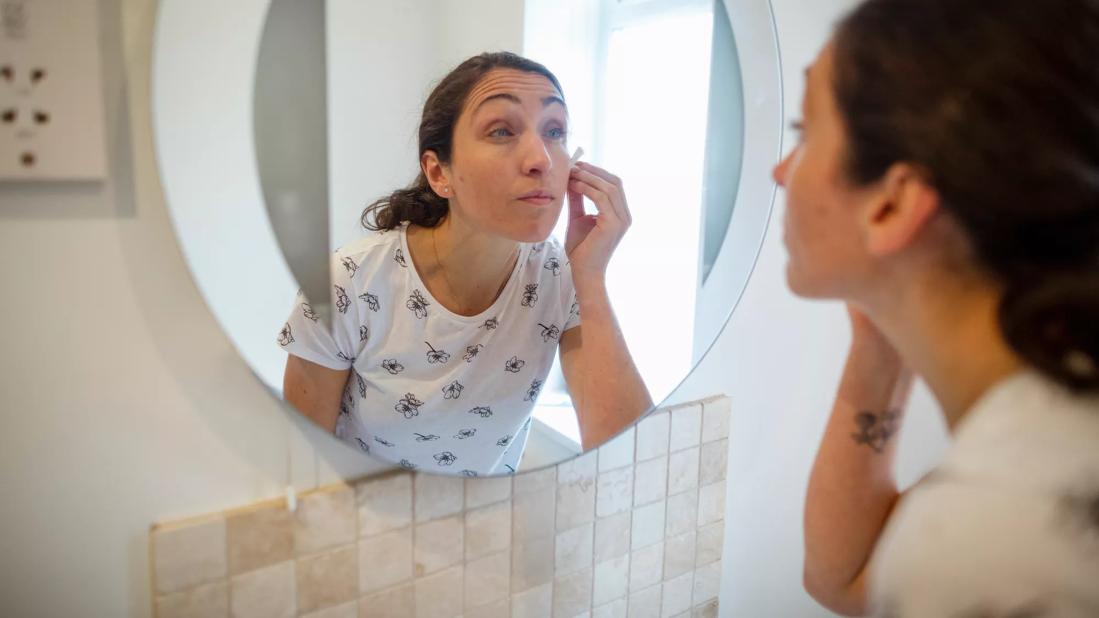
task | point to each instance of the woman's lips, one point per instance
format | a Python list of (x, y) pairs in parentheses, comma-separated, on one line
[(540, 200)]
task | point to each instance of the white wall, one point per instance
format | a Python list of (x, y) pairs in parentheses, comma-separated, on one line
[(124, 404)]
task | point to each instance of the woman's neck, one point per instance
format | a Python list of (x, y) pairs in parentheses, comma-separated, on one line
[(947, 331), (461, 264)]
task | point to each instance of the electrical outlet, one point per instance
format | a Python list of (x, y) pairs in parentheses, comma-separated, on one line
[(51, 93)]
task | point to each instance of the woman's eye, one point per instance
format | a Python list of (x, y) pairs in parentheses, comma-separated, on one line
[(556, 133), (798, 127), (500, 132)]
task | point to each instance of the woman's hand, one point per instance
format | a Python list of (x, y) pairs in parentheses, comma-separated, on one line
[(591, 239)]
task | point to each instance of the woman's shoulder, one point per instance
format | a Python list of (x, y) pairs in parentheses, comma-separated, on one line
[(374, 249)]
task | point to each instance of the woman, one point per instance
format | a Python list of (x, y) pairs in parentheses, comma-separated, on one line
[(448, 316), (946, 186)]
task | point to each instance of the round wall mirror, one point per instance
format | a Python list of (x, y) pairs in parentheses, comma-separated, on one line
[(278, 122)]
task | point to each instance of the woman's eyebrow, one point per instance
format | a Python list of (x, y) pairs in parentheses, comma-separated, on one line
[(546, 101)]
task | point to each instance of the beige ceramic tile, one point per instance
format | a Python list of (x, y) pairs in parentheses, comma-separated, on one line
[(682, 516), (482, 491), (582, 468), (396, 602), (573, 549), (531, 564), (385, 560), (534, 481), (437, 545), (264, 593), (710, 542), (614, 492), (499, 609), (715, 459), (652, 436), (707, 583), (347, 610), (686, 427), (189, 553), (325, 519), (711, 503), (384, 503), (259, 536), (610, 580), (645, 603), (683, 471), (706, 610), (715, 419), (614, 609), (205, 601), (676, 595), (648, 525), (534, 603), (679, 555), (572, 594), (488, 530), (650, 481), (617, 452), (532, 514), (612, 536), (436, 496), (327, 579), (575, 503), (487, 580), (440, 595), (646, 567)]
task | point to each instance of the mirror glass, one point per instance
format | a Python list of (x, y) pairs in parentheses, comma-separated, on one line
[(652, 93)]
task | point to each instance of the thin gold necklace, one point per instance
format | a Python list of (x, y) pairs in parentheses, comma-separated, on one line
[(446, 279)]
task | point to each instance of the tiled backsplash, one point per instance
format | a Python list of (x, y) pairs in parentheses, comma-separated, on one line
[(633, 528)]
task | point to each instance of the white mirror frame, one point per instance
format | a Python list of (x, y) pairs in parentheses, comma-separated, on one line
[(204, 64)]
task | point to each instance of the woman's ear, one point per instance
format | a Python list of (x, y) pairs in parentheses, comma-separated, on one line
[(903, 207), (436, 173)]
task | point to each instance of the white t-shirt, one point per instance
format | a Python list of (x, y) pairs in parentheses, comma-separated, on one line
[(431, 389), (1008, 524)]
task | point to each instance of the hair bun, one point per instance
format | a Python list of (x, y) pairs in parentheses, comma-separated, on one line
[(1053, 323)]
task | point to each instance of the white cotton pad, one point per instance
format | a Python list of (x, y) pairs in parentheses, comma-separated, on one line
[(576, 156)]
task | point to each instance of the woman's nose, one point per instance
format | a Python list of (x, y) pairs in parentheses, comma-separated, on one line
[(536, 157), (779, 171)]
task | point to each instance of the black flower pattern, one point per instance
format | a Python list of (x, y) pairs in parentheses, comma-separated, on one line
[(364, 333), (363, 445), (453, 390), (490, 324), (383, 441), (342, 356), (549, 333), (514, 364), (553, 265), (532, 392), (371, 301), (445, 458), (538, 248), (307, 311), (417, 304), (398, 257), (436, 356), (510, 469), (361, 383), (504, 441), (425, 438), (350, 265), (469, 473), (342, 301), (471, 352), (285, 336), (392, 366), (464, 433), (408, 465), (345, 409), (482, 411), (408, 406), (530, 295)]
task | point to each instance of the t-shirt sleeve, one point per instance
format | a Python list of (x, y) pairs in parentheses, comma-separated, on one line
[(306, 336)]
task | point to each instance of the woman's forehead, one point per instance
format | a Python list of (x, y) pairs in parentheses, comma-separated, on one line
[(518, 84)]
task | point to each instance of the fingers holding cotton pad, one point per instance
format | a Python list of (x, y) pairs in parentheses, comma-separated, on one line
[(576, 156)]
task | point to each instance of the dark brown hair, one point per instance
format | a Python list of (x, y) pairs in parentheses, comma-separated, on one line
[(997, 101), (418, 203)]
